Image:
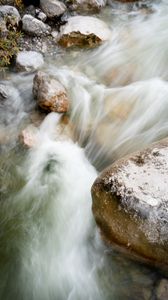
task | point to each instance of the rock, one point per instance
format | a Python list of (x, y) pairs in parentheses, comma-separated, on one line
[(29, 136), (50, 93), (7, 2), (42, 16), (55, 34), (33, 26), (130, 203), (29, 61), (7, 94), (33, 133), (4, 92), (83, 31), (11, 110), (30, 10), (162, 290), (3, 28), (86, 5), (110, 2), (127, 1), (11, 16), (52, 8)]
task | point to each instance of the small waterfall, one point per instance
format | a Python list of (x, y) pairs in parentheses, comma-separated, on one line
[(53, 223)]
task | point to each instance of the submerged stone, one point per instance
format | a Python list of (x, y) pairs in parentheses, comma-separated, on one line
[(29, 61), (130, 203), (28, 136)]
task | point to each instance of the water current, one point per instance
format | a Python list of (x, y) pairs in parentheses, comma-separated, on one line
[(50, 248)]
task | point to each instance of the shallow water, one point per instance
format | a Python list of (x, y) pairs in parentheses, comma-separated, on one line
[(50, 247)]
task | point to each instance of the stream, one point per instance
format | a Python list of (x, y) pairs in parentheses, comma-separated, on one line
[(50, 247)]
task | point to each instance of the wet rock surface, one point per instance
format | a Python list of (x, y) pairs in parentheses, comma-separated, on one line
[(50, 93), (86, 5), (29, 61), (130, 203), (33, 26), (41, 16), (52, 8), (28, 136), (83, 31), (4, 93)]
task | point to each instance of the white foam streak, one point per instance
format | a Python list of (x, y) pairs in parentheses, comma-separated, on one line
[(56, 204)]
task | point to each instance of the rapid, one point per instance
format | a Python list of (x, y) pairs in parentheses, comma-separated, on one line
[(50, 248)]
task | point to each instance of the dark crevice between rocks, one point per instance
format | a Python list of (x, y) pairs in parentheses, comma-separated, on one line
[(31, 2)]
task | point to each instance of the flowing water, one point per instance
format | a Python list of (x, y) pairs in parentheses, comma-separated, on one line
[(50, 248)]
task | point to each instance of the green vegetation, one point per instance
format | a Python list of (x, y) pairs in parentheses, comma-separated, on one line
[(17, 3), (9, 36), (8, 47)]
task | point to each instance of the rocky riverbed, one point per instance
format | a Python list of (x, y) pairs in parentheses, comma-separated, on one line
[(83, 91)]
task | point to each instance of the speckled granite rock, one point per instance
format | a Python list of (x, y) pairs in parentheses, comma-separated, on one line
[(130, 203)]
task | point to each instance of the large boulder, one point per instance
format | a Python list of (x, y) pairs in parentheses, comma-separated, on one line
[(83, 31), (35, 27), (86, 5), (29, 61), (50, 93), (130, 203), (52, 8)]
